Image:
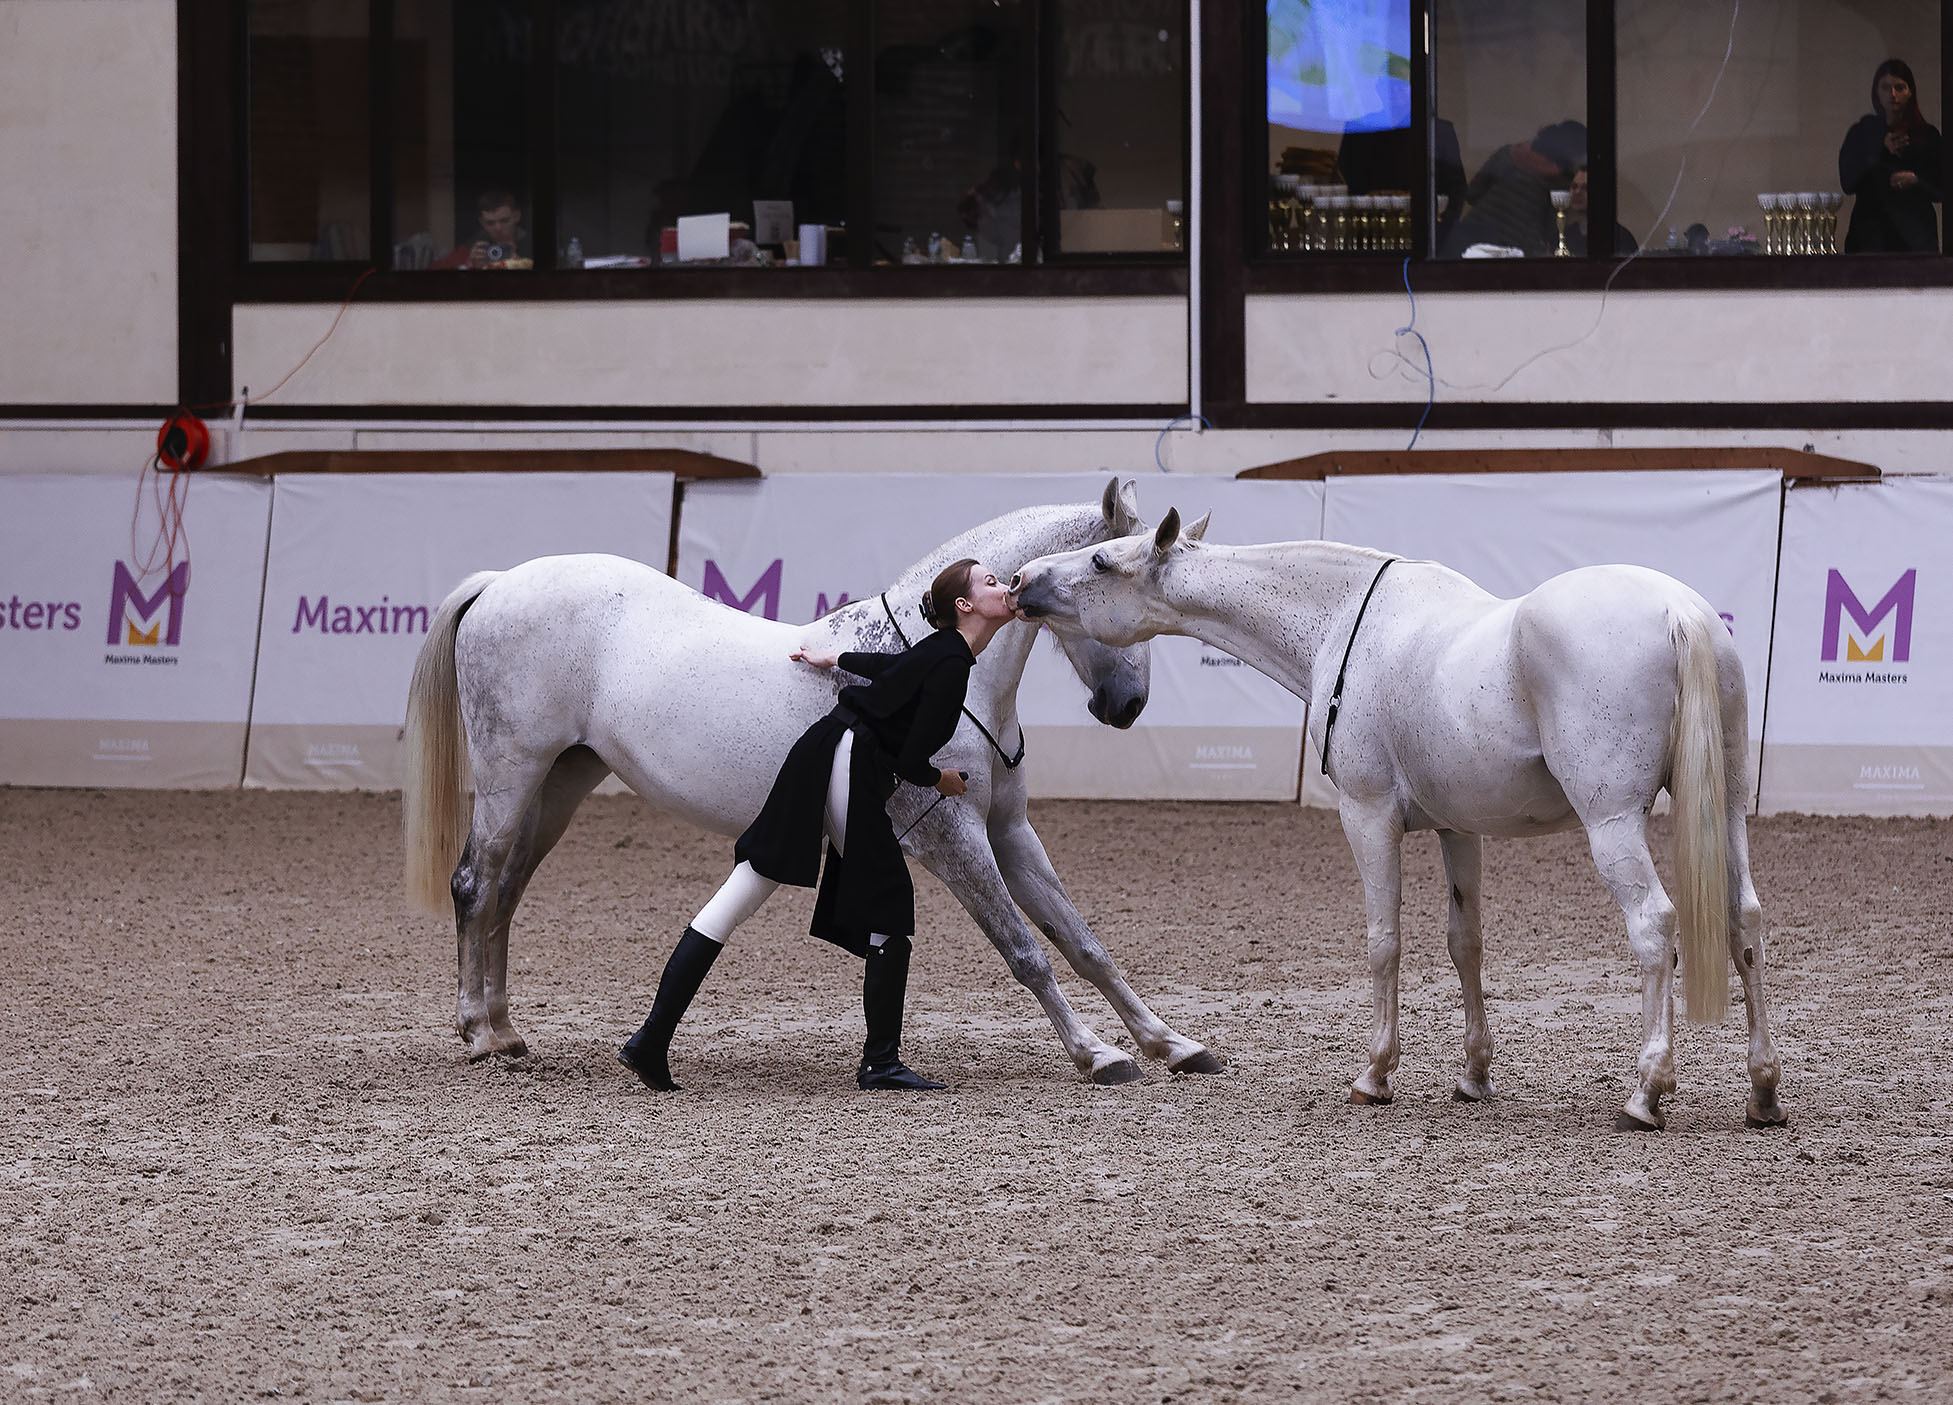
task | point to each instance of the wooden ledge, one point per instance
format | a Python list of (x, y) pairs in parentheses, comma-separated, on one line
[(685, 463), (1795, 465)]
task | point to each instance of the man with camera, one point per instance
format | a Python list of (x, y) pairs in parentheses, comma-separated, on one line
[(502, 241)]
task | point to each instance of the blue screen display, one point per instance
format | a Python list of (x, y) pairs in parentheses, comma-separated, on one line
[(1339, 65)]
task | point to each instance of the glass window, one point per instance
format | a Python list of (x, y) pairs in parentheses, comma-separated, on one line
[(1797, 154), (461, 117), (667, 113), (1341, 151), (1510, 107), (1119, 180), (948, 136), (310, 158)]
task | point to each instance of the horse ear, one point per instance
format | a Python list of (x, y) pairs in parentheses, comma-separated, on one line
[(1109, 505), (1196, 530), (1169, 530), (1129, 521)]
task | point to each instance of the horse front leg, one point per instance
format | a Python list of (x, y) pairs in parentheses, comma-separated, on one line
[(1376, 837), (1746, 952), (1463, 937), (1036, 888), (1620, 849), (960, 855)]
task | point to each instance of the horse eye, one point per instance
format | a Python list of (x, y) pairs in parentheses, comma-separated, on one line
[(1099, 563)]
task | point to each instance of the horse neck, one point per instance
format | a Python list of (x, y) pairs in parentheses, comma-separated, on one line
[(1275, 606), (1004, 545)]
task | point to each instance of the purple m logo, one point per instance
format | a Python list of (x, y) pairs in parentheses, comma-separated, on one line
[(126, 599), (765, 591), (1840, 601)]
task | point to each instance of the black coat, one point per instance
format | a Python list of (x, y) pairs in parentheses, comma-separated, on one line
[(905, 714), (1884, 219)]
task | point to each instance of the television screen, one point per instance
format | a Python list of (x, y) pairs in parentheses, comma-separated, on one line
[(1339, 65)]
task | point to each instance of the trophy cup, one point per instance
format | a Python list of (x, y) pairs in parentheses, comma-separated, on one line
[(1561, 200)]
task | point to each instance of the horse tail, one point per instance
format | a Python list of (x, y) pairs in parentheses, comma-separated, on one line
[(434, 804), (1698, 784)]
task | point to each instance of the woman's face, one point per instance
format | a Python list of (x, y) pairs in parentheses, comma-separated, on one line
[(987, 597), (1894, 93)]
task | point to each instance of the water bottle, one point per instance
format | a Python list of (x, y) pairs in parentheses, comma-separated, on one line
[(573, 256), (935, 248), (969, 253)]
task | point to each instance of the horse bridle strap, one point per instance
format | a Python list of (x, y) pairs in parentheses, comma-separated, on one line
[(1336, 697), (1011, 763)]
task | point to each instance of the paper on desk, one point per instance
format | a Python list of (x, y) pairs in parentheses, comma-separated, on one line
[(772, 221), (705, 236)]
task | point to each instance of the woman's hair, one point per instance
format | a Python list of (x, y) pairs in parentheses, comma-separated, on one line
[(1909, 116), (951, 584)]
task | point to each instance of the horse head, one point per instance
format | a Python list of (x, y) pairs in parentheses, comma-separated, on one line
[(1119, 677), (1113, 591)]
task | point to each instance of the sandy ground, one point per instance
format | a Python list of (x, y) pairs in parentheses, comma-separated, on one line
[(243, 1155)]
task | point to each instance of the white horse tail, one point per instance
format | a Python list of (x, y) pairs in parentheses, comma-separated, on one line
[(434, 805), (1698, 784)]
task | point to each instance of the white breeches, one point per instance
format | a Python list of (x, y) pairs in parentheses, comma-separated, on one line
[(742, 894)]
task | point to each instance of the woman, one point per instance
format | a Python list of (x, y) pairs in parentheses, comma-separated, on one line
[(1891, 162), (837, 781)]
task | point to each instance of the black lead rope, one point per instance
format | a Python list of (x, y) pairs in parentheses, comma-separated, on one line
[(1336, 698), (1011, 763)]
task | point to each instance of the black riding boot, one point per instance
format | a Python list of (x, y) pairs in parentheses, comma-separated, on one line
[(645, 1052), (884, 983)]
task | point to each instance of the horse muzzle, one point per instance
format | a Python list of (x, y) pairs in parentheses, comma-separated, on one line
[(1116, 709)]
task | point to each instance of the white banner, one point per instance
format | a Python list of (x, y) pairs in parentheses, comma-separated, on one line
[(358, 564), (1863, 666), (1716, 531), (125, 660), (793, 546)]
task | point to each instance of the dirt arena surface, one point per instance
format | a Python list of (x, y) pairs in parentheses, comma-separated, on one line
[(244, 1157)]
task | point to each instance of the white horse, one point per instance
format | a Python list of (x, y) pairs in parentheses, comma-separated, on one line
[(568, 668), (1437, 705)]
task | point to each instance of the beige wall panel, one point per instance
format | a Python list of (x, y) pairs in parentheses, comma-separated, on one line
[(1681, 347), (774, 352), (88, 223)]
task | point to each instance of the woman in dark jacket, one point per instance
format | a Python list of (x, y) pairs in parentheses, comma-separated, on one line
[(836, 781), (1890, 161)]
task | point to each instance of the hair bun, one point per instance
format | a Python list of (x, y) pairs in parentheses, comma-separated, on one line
[(928, 609)]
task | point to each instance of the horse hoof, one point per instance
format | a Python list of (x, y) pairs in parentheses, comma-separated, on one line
[(1462, 1095), (1204, 1061), (1120, 1071), (1628, 1122), (1359, 1098), (1765, 1114)]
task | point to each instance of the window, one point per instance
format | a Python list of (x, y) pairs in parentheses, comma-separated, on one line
[(1790, 159), (306, 63), (538, 135)]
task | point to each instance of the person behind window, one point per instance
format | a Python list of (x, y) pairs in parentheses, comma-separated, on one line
[(1576, 221), (1511, 197), (500, 238), (1890, 161), (1384, 160)]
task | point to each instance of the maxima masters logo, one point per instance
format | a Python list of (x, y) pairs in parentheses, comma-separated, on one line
[(1880, 634), (146, 621)]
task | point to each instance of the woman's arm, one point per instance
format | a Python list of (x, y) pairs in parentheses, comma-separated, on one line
[(867, 665), (1925, 156), (937, 707), (1863, 145)]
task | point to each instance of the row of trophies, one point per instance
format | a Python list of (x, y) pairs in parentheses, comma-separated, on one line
[(1801, 222), (1327, 219)]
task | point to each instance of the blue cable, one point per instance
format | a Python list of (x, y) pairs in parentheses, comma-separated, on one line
[(1430, 373), (1168, 429)]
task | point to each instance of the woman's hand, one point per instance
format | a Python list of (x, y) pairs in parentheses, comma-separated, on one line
[(1904, 180), (1897, 139), (951, 783), (816, 657)]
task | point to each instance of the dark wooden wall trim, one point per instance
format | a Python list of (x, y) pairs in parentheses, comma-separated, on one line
[(1795, 464), (685, 463), (1829, 415)]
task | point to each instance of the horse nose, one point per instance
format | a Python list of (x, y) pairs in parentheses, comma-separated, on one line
[(1127, 715), (1016, 582), (1122, 716)]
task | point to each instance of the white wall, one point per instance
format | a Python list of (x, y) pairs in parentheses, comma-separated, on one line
[(1772, 348), (999, 351), (88, 221)]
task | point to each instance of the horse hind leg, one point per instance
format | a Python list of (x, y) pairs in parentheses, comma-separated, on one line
[(507, 819), (1620, 851), (1746, 954), (1463, 862), (1376, 837), (575, 774)]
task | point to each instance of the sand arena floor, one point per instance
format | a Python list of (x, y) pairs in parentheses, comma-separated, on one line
[(244, 1157)]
